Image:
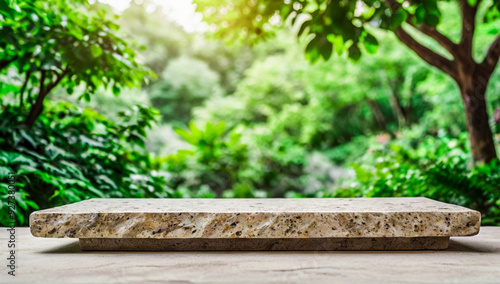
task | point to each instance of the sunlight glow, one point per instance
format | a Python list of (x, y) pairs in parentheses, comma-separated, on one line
[(181, 12)]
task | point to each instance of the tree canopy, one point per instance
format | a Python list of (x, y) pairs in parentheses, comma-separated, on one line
[(63, 43), (337, 26), (349, 26)]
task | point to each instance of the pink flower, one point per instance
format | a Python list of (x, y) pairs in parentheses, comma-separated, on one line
[(383, 138), (496, 116)]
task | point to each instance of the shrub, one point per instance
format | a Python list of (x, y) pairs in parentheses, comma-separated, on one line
[(216, 162), (436, 167), (73, 154)]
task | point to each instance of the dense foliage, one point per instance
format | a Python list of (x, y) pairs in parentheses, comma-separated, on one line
[(434, 167), (61, 43), (72, 154), (350, 25)]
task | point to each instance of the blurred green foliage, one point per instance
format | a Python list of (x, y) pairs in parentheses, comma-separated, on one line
[(215, 165), (185, 82), (73, 154), (435, 167)]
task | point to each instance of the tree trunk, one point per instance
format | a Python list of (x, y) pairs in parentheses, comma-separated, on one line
[(398, 109), (472, 77), (377, 113), (35, 110), (473, 90)]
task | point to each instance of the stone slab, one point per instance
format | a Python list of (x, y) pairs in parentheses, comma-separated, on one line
[(255, 218), (60, 261), (303, 244)]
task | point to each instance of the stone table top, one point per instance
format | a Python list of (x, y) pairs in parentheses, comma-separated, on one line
[(256, 218), (467, 260)]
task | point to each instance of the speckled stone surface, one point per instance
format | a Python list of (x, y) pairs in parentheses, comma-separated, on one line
[(255, 218), (247, 244), (61, 261)]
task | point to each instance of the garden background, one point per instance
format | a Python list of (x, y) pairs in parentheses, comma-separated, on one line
[(144, 99)]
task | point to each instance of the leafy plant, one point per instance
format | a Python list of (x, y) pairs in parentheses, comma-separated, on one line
[(72, 154), (62, 43), (216, 163), (184, 84), (438, 168)]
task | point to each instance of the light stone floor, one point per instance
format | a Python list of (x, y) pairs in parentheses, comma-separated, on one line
[(468, 260)]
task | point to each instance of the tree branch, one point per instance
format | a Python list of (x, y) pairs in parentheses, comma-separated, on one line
[(426, 54), (490, 61), (37, 108), (429, 31), (7, 62), (443, 40), (42, 82), (59, 77), (38, 105), (468, 27), (23, 88)]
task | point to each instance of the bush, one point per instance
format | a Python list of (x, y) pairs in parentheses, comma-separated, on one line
[(216, 163), (220, 164), (436, 167), (73, 154)]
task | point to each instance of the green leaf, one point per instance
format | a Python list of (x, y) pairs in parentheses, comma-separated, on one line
[(303, 27), (76, 32), (325, 48), (398, 17), (219, 129), (96, 50), (21, 202), (354, 52), (420, 14), (370, 43), (337, 42), (20, 159), (431, 20), (56, 194), (107, 180), (195, 131), (312, 50), (4, 173), (472, 3), (52, 169), (95, 191), (24, 169), (32, 154), (116, 90), (186, 136), (4, 159), (32, 204), (86, 96), (28, 138)]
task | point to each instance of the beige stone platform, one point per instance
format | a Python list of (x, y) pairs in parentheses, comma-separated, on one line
[(248, 244), (60, 261), (258, 224)]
